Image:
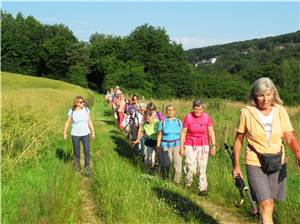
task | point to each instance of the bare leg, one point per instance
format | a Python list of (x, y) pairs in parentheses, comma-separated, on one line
[(267, 208)]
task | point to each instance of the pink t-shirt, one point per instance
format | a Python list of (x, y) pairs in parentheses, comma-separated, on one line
[(197, 129)]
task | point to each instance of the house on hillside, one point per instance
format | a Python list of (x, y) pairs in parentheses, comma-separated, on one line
[(206, 61)]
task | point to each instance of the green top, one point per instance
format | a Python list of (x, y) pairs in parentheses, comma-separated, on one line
[(151, 130)]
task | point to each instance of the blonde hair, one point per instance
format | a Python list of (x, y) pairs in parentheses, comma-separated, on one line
[(75, 101), (263, 85)]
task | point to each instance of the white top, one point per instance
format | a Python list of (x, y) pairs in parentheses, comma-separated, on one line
[(80, 120), (267, 122)]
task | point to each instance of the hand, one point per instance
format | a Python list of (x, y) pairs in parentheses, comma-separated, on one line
[(298, 159), (65, 136), (136, 142), (181, 151), (93, 136), (237, 172), (213, 150)]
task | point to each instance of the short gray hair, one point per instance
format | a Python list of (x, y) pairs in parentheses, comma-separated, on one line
[(263, 85), (142, 106), (170, 106), (198, 103)]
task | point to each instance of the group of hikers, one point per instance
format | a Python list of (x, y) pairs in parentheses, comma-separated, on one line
[(160, 136), (166, 140)]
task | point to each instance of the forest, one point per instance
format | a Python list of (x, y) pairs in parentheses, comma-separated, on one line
[(147, 62)]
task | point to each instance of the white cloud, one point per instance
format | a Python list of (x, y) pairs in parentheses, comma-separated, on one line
[(196, 42)]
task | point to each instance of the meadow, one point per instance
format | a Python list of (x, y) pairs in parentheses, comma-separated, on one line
[(39, 184)]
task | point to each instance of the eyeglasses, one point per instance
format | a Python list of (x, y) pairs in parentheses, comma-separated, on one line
[(80, 101)]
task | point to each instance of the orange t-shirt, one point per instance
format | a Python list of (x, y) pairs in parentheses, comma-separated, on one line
[(250, 125)]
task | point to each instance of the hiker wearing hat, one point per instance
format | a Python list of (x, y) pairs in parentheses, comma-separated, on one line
[(169, 141), (264, 124), (197, 140), (82, 129)]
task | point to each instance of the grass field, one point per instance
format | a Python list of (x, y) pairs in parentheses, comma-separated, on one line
[(39, 184)]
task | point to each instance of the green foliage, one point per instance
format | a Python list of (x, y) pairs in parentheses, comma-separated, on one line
[(77, 75), (222, 85), (28, 47), (273, 57), (147, 62)]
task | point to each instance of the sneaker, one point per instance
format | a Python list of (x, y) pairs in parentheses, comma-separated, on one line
[(203, 193)]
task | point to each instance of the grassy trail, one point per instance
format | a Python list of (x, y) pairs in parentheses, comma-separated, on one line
[(88, 205)]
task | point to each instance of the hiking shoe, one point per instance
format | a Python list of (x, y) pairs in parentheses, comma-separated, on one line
[(187, 185), (203, 193), (87, 172), (77, 169)]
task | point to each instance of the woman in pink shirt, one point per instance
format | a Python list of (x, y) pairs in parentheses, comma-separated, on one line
[(197, 139)]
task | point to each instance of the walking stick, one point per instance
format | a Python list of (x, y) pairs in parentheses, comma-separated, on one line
[(240, 184)]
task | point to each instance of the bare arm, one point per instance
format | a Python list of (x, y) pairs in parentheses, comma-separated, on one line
[(212, 140), (291, 140), (91, 126), (182, 140), (67, 124), (237, 154), (139, 136), (159, 137)]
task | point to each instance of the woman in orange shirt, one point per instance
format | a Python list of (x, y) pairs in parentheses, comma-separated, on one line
[(265, 124)]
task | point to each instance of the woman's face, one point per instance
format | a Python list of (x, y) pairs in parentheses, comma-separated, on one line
[(135, 100), (197, 110), (265, 100), (142, 110), (170, 112), (80, 103), (149, 119)]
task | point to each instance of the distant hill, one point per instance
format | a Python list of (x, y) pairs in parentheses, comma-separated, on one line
[(276, 57), (279, 44)]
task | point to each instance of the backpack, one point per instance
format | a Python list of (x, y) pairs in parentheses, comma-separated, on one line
[(160, 116), (163, 123), (170, 141)]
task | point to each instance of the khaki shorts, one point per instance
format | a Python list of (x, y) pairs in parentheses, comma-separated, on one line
[(267, 186)]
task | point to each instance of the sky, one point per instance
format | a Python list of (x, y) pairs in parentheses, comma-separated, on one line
[(193, 24)]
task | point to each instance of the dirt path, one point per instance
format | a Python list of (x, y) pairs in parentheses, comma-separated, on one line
[(220, 214), (88, 206)]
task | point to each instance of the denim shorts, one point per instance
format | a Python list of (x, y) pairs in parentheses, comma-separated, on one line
[(267, 186)]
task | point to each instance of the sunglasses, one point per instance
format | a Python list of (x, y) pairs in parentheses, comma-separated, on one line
[(80, 101)]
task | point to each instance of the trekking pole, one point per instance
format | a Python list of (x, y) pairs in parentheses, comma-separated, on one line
[(240, 184)]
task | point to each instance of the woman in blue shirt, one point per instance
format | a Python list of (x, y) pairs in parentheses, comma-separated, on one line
[(169, 141)]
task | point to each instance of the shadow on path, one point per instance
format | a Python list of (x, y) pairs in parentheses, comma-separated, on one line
[(124, 149), (62, 155), (183, 206)]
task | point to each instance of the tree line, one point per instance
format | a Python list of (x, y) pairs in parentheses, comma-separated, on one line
[(275, 57), (145, 62)]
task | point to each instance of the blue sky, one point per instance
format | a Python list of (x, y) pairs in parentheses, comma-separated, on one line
[(194, 23)]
